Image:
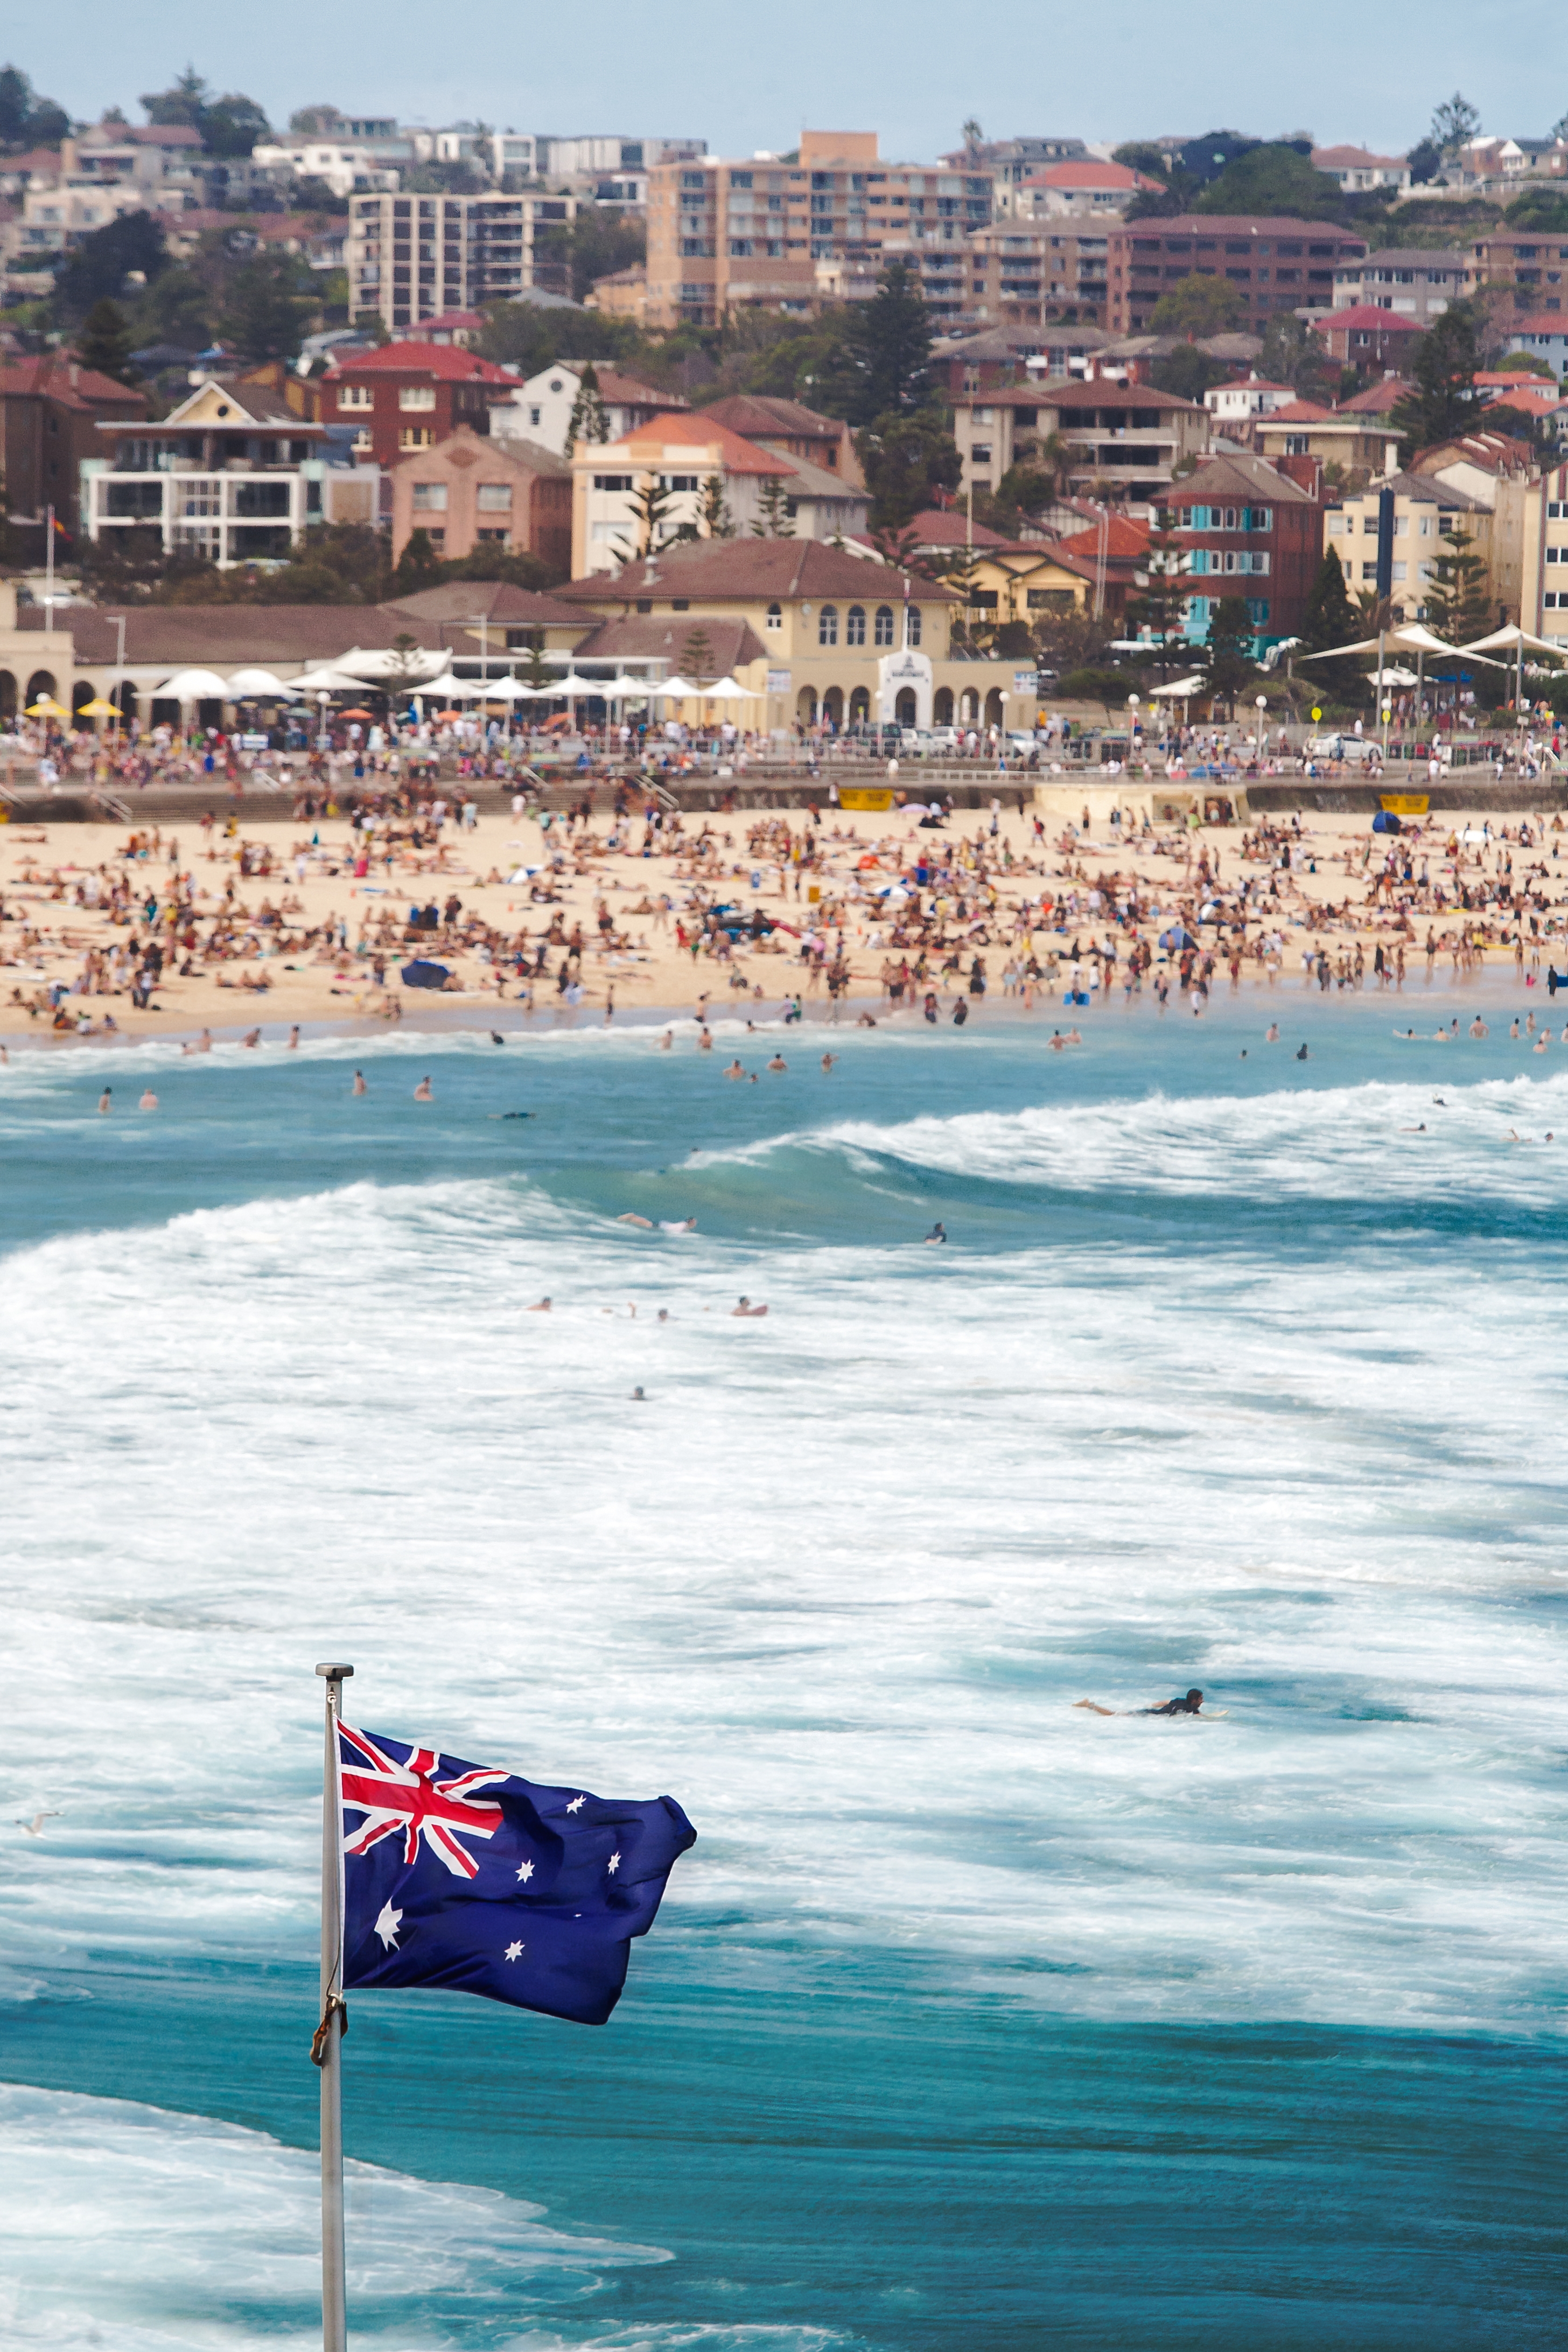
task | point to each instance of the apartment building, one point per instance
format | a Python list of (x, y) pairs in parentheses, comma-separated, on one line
[(404, 397), (1545, 336), (1360, 442), (1124, 440), (1012, 355), (349, 161), (1009, 162), (1022, 274), (50, 409), (469, 491), (687, 456), (1409, 279), (1523, 273), (1358, 172), (1543, 557), (232, 475), (1274, 264), (410, 257), (734, 236), (1427, 511), (1247, 529), (1366, 337), (1084, 190)]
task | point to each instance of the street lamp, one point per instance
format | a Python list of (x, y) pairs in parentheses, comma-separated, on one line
[(1262, 707), (323, 740)]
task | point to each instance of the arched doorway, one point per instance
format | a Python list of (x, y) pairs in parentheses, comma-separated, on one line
[(969, 706), (833, 707), (806, 706), (906, 706), (7, 697), (123, 697), (993, 706), (42, 682), (82, 692), (942, 709), (861, 706)]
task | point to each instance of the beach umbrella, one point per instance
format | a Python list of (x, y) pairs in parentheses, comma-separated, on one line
[(244, 684), (727, 691), (389, 667), (46, 707), (422, 974), (99, 708), (572, 685), (676, 687), (194, 686)]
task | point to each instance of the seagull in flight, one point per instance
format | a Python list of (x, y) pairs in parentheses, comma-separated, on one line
[(35, 1827)]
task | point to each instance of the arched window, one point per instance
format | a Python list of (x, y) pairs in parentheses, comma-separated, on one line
[(854, 625), (884, 625), (828, 626), (775, 617), (912, 624), (860, 706)]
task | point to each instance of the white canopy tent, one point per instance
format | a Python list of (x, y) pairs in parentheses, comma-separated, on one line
[(1181, 689), (243, 684), (388, 667), (193, 685)]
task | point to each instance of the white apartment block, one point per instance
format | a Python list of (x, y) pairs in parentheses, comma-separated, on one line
[(411, 257)]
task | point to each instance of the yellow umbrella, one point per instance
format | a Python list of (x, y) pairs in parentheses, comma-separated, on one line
[(99, 708), (46, 708)]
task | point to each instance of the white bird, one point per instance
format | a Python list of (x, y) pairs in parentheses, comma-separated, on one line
[(35, 1827)]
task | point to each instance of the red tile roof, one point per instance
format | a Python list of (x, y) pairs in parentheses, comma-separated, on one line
[(1365, 315), (1377, 399), (1126, 542), (52, 376), (448, 362), (1090, 176), (697, 431)]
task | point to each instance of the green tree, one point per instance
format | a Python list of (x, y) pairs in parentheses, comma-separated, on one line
[(516, 565), (97, 269), (25, 119), (529, 338), (651, 529), (1543, 211), (1198, 304), (713, 521), (233, 124), (105, 341), (418, 566), (269, 304), (1162, 607), (596, 244), (695, 659), (1441, 401), (1332, 619), (1293, 354), (774, 519), (588, 420), (886, 366), (176, 308), (1524, 364), (1227, 656), (1273, 179), (1188, 373), (1454, 123), (972, 135), (906, 460), (1140, 155), (1457, 604), (1425, 161)]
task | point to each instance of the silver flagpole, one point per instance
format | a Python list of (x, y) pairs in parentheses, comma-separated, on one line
[(327, 2050)]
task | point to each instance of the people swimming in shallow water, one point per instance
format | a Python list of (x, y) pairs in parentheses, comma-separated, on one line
[(1191, 1704)]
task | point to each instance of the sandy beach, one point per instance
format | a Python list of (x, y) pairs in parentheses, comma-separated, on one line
[(278, 920)]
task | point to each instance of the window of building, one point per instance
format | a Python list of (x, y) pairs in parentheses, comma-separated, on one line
[(884, 627), (416, 396), (499, 537), (355, 395), (678, 482), (613, 482), (416, 437), (828, 626), (493, 497), (979, 453), (775, 617), (429, 498), (854, 625), (912, 624), (536, 415), (1296, 444)]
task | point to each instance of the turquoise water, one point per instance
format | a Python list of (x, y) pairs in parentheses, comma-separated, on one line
[(971, 2019)]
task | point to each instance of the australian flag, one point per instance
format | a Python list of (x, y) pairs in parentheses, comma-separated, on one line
[(466, 1876)]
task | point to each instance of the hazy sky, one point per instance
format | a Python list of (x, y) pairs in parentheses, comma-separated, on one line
[(1341, 69)]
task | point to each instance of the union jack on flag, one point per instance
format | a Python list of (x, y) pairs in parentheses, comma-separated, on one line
[(526, 1894), (409, 1797)]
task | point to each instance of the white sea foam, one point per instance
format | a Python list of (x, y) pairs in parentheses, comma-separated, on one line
[(835, 1584)]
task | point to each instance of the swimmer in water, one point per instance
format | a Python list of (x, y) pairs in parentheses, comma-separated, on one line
[(540, 1307), (1188, 1706), (252, 1037), (678, 1224), (1301, 1053), (735, 1071), (104, 1105), (149, 1100), (744, 1307), (422, 1091), (667, 1041), (1478, 1028), (358, 1087), (829, 1060), (294, 1037), (1271, 1035), (778, 1062), (630, 1217), (705, 1040), (638, 1397), (937, 1234), (1415, 1130)]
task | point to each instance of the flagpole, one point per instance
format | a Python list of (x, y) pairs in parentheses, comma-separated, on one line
[(327, 2048)]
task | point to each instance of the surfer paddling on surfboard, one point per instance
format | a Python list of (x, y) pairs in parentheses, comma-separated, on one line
[(1191, 1704)]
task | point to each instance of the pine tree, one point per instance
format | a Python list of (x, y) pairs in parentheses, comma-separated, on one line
[(1332, 619), (774, 520), (104, 342), (713, 515), (418, 566), (650, 531), (589, 420), (1163, 607), (695, 659), (1442, 399), (1228, 654), (1457, 604)]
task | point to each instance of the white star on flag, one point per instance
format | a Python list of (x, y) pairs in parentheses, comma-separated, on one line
[(514, 1951), (526, 1872), (386, 1926), (615, 1864), (577, 1804)]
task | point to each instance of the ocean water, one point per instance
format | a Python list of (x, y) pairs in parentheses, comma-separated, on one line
[(973, 2020)]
